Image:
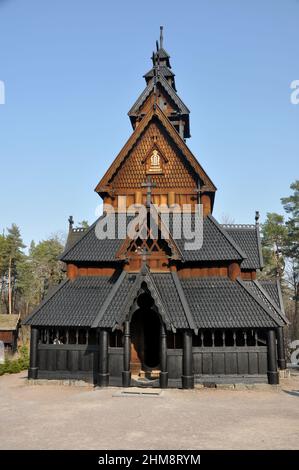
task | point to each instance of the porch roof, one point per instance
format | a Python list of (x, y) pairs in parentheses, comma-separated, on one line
[(195, 303)]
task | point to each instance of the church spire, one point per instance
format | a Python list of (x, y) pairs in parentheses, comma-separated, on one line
[(163, 58), (160, 88), (161, 37)]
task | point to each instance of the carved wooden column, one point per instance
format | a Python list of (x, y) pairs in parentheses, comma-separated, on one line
[(103, 374), (273, 377), (188, 375), (33, 367), (126, 374), (163, 358), (281, 349)]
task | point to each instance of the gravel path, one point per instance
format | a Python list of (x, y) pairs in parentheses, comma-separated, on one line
[(64, 417)]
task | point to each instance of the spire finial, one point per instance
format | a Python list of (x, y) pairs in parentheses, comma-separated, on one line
[(257, 217), (161, 37), (71, 222)]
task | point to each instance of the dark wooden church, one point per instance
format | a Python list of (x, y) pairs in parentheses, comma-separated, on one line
[(147, 311)]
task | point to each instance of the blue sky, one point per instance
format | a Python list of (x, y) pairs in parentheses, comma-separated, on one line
[(72, 70)]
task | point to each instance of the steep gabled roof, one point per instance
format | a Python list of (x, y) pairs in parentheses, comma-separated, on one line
[(163, 289), (73, 303), (74, 235), (248, 238), (149, 89), (272, 287), (217, 244), (258, 289), (221, 303), (163, 70), (155, 113), (89, 248)]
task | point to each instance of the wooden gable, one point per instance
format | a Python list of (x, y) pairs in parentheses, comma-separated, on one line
[(182, 169), (163, 99), (175, 172)]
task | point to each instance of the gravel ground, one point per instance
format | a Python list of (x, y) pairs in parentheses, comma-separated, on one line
[(69, 417)]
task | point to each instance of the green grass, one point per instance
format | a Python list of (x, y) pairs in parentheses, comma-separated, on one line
[(14, 365)]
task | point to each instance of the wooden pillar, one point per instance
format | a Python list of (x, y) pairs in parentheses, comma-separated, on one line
[(273, 377), (138, 197), (281, 349), (33, 366), (206, 202), (234, 271), (188, 375), (126, 374), (171, 198), (103, 375), (163, 358)]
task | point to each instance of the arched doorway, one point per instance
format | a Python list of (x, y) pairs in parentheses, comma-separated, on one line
[(145, 336)]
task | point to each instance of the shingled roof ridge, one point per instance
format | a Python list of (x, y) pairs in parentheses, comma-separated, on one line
[(140, 278), (156, 112), (46, 300), (228, 237), (184, 301), (109, 299), (259, 301), (148, 279), (238, 226), (168, 88), (259, 244), (269, 298), (162, 70), (67, 250)]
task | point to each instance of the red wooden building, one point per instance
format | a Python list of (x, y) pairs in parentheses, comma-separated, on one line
[(147, 310)]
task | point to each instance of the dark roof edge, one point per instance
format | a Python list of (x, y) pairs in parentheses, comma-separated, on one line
[(61, 258), (269, 298), (45, 301), (259, 301), (157, 298), (259, 244), (228, 237), (280, 297), (108, 299), (169, 90), (184, 302)]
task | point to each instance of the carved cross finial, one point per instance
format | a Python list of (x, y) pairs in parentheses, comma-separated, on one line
[(71, 222), (149, 185), (161, 37), (257, 217)]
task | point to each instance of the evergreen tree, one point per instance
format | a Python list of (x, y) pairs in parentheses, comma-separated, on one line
[(13, 255), (291, 249), (274, 234), (47, 269)]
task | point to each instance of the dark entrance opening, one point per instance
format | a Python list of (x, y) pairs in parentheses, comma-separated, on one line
[(145, 336)]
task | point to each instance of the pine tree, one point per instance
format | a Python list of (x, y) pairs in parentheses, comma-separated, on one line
[(13, 254), (274, 233), (291, 249)]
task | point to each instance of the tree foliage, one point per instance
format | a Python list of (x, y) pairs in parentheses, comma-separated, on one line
[(26, 278), (280, 240)]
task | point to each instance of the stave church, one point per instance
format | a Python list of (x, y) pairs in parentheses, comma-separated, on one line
[(152, 310)]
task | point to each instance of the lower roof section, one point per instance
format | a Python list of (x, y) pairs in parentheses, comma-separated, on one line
[(222, 303), (195, 303)]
